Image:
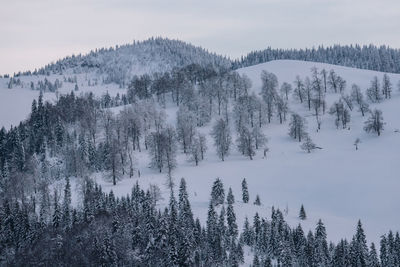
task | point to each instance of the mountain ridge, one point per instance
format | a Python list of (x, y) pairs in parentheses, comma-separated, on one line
[(157, 54)]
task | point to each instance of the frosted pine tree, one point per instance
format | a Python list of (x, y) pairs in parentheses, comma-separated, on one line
[(217, 192), (257, 201), (245, 191), (230, 199), (302, 213)]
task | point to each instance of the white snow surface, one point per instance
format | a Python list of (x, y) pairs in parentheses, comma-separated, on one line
[(336, 183)]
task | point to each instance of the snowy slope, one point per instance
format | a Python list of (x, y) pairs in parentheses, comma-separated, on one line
[(337, 184), (15, 103)]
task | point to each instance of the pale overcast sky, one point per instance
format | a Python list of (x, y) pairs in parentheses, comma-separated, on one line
[(36, 32)]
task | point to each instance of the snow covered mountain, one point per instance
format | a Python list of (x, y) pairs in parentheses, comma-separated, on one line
[(336, 183), (119, 64)]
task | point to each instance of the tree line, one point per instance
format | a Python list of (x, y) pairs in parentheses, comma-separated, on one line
[(382, 58), (105, 230)]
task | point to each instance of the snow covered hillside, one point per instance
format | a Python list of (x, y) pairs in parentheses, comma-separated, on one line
[(336, 183), (15, 103), (121, 63)]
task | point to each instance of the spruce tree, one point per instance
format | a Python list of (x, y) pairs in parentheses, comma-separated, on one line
[(66, 218), (217, 192), (56, 211), (245, 191), (256, 261), (247, 233), (321, 246), (302, 214), (230, 198), (373, 257), (360, 246), (232, 226)]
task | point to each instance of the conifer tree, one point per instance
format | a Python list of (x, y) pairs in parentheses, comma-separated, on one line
[(302, 214), (256, 261), (257, 202), (231, 219), (321, 246), (56, 211), (66, 218), (245, 191), (373, 257), (230, 198), (217, 193)]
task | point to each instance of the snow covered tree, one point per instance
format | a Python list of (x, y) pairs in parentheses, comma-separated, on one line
[(257, 201), (341, 113), (341, 84), (66, 216), (256, 261), (245, 191), (259, 137), (374, 92), (308, 90), (222, 138), (196, 151), (281, 109), (231, 220), (357, 142), (245, 142), (373, 256), (217, 193), (358, 247), (308, 145), (358, 97), (348, 101), (162, 145), (299, 91), (185, 127), (332, 81), (230, 198), (318, 88), (269, 92), (386, 86), (321, 256), (247, 235), (302, 213), (324, 75), (286, 89), (202, 145), (56, 211), (375, 122), (297, 127)]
